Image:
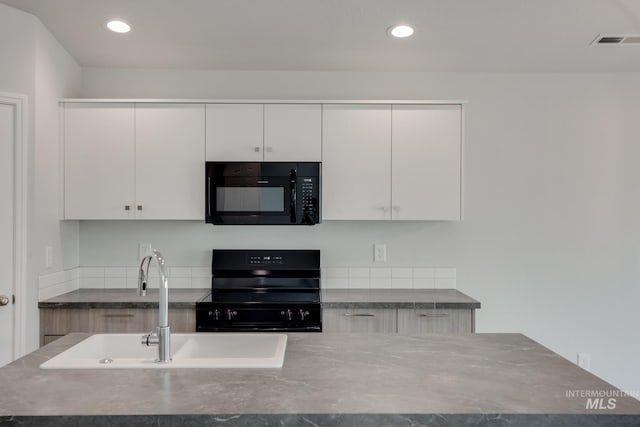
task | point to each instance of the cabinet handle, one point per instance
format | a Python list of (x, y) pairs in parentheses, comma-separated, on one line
[(118, 316), (139, 207), (256, 149), (432, 315), (269, 149), (359, 315), (127, 207)]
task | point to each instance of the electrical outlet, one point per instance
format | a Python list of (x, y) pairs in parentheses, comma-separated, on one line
[(584, 361), (379, 252), (144, 249), (48, 257)]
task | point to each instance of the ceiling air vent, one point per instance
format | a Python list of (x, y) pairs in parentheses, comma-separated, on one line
[(616, 39)]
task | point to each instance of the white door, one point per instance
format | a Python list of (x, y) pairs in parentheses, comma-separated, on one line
[(169, 161), (7, 274), (356, 162)]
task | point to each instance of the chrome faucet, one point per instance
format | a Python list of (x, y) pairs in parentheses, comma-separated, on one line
[(162, 336)]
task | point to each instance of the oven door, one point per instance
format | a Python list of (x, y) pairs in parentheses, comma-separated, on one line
[(251, 193)]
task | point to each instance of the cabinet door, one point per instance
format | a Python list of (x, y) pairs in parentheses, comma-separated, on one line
[(98, 161), (170, 161), (234, 132), (439, 321), (426, 162), (293, 132), (359, 320), (356, 162)]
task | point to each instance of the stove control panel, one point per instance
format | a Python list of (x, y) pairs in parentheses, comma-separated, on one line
[(265, 259), (235, 260)]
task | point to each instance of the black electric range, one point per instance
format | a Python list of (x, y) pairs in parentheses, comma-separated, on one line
[(262, 291)]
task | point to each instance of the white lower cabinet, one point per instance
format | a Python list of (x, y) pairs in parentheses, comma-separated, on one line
[(360, 320)]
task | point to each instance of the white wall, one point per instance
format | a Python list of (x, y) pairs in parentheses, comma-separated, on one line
[(550, 242), (57, 76), (34, 64)]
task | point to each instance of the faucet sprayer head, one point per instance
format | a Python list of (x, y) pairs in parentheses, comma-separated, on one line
[(143, 276)]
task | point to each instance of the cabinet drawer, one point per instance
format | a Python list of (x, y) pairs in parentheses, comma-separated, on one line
[(56, 322), (122, 320), (441, 321), (359, 320)]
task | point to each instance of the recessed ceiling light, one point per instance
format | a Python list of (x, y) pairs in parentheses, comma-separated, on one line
[(118, 26), (400, 31)]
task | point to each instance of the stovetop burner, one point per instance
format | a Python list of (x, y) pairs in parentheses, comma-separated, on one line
[(262, 290)]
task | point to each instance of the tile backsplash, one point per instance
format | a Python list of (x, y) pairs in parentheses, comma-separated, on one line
[(61, 282), (54, 284), (389, 278)]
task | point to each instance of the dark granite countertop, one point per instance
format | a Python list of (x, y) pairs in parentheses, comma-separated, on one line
[(331, 298), (397, 298), (328, 379), (123, 298)]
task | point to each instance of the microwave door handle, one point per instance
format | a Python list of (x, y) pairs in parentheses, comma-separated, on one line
[(208, 197), (292, 203)]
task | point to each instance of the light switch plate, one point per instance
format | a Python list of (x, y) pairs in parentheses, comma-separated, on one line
[(144, 249), (584, 361), (48, 257)]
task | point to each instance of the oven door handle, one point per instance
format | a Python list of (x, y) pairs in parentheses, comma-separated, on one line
[(293, 183)]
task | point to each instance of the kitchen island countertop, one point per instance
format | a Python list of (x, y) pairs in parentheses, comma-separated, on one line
[(329, 379)]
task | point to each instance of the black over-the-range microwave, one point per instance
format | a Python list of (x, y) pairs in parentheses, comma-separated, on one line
[(262, 193)]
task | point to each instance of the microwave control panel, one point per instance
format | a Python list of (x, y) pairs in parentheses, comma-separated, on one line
[(309, 191)]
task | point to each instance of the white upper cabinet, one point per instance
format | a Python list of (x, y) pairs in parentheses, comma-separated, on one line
[(356, 163), (134, 161), (145, 160), (398, 162), (293, 132), (235, 132), (99, 161), (169, 161), (269, 132), (426, 145)]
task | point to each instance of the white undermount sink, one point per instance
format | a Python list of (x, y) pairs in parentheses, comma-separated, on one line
[(201, 350)]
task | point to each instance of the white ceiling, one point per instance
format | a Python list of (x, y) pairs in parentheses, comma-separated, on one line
[(346, 35)]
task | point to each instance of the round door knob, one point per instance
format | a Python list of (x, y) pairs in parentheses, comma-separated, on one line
[(4, 300)]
